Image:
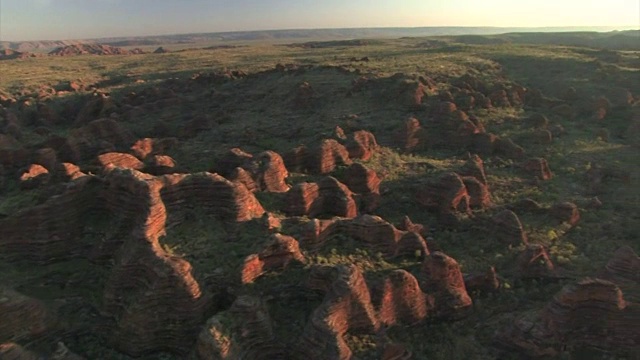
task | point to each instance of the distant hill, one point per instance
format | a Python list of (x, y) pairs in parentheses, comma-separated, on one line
[(8, 54), (92, 49), (616, 40), (300, 34), (42, 46)]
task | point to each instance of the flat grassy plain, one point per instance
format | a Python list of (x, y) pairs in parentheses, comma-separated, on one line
[(255, 114)]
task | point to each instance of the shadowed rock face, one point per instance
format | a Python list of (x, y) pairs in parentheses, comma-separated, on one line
[(443, 280), (448, 194), (566, 212), (411, 136), (245, 331), (346, 307), (507, 228), (97, 137), (538, 167), (22, 316), (479, 196), (52, 231), (486, 282), (366, 183), (534, 262), (624, 269), (12, 351), (474, 167), (232, 159)]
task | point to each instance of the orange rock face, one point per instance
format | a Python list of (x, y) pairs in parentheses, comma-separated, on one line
[(403, 302), (362, 145), (263, 172), (280, 251), (160, 165), (382, 236), (119, 160), (328, 197), (346, 307), (143, 148), (272, 173), (324, 158), (34, 176)]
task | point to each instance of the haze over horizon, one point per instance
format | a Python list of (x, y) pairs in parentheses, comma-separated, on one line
[(28, 20)]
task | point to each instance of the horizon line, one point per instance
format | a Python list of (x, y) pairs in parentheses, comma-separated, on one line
[(610, 27)]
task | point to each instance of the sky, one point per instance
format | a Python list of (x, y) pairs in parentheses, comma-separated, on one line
[(22, 20)]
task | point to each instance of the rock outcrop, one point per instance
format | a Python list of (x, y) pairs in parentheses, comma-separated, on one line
[(245, 331), (402, 300), (411, 136), (119, 160), (346, 307), (52, 231), (22, 316), (507, 228), (366, 183), (590, 314), (447, 194), (361, 145), (443, 280), (534, 262), (484, 283), (566, 212), (325, 157), (157, 283), (34, 176), (263, 172), (328, 197), (279, 252), (538, 168)]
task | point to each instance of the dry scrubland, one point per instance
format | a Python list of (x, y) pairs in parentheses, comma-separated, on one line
[(157, 263)]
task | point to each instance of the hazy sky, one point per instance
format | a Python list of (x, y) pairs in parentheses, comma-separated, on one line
[(74, 19)]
